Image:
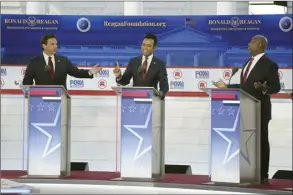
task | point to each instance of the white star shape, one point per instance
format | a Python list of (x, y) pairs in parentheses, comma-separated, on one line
[(213, 111), (40, 107), (231, 111), (138, 154), (132, 108), (49, 140), (229, 142), (221, 111), (51, 107), (143, 109)]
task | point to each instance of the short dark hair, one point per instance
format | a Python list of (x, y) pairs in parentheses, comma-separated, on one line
[(153, 37), (44, 39)]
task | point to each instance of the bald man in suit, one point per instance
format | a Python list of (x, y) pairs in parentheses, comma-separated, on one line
[(259, 78)]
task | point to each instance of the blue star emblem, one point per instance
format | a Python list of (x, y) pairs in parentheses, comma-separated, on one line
[(39, 126), (220, 131), (139, 151)]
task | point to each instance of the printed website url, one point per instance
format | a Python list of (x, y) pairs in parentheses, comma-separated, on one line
[(135, 24)]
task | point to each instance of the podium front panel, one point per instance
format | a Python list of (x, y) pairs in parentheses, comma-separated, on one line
[(136, 133), (225, 136), (44, 131)]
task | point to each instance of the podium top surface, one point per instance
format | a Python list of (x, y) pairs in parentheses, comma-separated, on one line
[(118, 89), (289, 91), (44, 87), (207, 90)]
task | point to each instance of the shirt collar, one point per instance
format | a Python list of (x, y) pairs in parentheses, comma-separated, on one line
[(150, 57), (258, 56), (47, 56)]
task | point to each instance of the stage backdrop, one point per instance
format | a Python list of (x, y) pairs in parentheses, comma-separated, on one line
[(196, 49)]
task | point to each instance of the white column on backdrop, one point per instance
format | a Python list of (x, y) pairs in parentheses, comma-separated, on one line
[(132, 8), (289, 7), (232, 8), (36, 7), (55, 8)]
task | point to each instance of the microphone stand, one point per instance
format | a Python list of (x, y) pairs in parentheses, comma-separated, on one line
[(234, 71)]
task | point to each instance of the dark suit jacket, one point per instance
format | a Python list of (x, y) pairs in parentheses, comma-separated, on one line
[(157, 73), (36, 71), (264, 70)]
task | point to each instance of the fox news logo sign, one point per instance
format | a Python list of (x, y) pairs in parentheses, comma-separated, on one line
[(202, 74), (103, 73), (177, 84), (3, 72), (76, 83)]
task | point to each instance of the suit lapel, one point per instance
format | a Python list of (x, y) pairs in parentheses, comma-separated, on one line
[(57, 65), (42, 59), (253, 70)]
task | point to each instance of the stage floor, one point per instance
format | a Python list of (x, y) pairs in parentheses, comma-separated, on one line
[(170, 181)]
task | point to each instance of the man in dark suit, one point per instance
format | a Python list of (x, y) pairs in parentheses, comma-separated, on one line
[(146, 70), (51, 69), (259, 78)]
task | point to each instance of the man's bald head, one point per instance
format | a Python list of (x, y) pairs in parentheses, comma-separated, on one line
[(257, 45)]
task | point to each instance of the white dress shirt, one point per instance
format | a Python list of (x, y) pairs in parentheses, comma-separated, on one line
[(255, 60), (47, 60), (150, 58)]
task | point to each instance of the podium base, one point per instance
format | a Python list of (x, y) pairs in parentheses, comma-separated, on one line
[(136, 179), (227, 184), (42, 176)]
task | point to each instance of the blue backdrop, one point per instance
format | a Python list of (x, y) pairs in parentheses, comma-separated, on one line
[(205, 41)]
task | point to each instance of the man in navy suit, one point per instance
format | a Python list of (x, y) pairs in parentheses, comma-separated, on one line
[(146, 70), (51, 69), (259, 78)]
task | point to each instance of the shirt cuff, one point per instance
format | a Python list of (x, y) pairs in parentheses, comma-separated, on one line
[(118, 79)]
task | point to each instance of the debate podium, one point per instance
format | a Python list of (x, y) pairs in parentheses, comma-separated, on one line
[(289, 92), (234, 137), (142, 117), (48, 137)]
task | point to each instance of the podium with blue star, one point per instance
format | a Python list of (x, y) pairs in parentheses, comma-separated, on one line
[(48, 141), (235, 136), (142, 115)]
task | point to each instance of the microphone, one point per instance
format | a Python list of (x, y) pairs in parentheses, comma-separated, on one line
[(234, 71), (47, 68), (139, 70)]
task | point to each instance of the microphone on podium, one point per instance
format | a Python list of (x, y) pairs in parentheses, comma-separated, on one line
[(47, 68)]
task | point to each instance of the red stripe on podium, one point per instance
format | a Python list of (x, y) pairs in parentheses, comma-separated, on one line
[(43, 92), (226, 96), (140, 94)]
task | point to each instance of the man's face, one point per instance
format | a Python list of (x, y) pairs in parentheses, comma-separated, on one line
[(51, 46), (147, 47), (254, 46)]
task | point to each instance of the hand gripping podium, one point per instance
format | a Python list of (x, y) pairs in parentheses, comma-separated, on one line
[(142, 133), (48, 139), (234, 137)]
